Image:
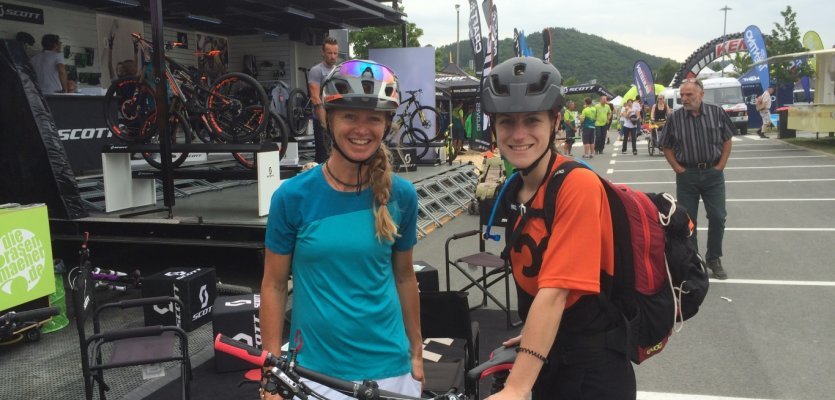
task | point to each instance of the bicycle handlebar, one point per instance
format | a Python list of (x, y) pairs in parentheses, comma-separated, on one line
[(37, 314), (288, 374)]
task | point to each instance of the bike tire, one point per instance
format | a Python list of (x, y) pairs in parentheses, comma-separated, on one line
[(181, 133), (128, 106), (424, 118), (277, 132), (650, 147), (229, 99), (414, 139), (296, 114)]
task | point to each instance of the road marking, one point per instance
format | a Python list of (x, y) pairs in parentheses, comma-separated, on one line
[(612, 162), (776, 200), (774, 282), (680, 396), (776, 229), (730, 159), (727, 168), (610, 171), (746, 181), (762, 151)]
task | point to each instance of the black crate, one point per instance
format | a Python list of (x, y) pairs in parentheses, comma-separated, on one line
[(237, 318), (195, 287)]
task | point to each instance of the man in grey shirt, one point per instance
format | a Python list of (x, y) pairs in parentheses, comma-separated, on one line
[(697, 143), (49, 66), (330, 54)]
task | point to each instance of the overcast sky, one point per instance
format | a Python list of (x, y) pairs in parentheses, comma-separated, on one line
[(663, 28)]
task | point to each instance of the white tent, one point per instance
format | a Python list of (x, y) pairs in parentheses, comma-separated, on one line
[(707, 73), (617, 101)]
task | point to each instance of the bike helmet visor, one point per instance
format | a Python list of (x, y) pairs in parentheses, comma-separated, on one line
[(522, 84), (361, 84)]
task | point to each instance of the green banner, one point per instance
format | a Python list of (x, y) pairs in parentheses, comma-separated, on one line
[(26, 271)]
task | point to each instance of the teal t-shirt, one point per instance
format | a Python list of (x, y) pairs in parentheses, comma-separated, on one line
[(346, 309)]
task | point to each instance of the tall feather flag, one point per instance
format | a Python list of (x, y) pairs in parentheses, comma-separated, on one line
[(546, 40), (756, 49), (478, 51), (642, 74)]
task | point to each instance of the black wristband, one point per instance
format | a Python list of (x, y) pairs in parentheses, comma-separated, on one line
[(533, 353)]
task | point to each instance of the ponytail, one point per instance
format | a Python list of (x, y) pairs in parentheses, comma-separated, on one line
[(380, 181)]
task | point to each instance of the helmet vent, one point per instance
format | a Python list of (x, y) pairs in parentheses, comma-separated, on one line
[(519, 69), (538, 86), (498, 88), (341, 86)]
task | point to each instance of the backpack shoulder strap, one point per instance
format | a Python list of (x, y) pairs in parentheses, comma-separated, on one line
[(552, 189)]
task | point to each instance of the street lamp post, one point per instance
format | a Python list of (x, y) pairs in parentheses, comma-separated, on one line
[(724, 39), (457, 34)]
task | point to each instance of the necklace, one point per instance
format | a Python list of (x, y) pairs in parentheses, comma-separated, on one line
[(345, 184)]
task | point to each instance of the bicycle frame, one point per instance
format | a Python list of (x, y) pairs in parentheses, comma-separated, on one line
[(284, 376)]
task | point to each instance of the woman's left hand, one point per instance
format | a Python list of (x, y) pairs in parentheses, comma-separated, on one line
[(417, 370)]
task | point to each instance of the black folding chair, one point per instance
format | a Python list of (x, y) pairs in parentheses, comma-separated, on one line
[(493, 268), (447, 315), (126, 347)]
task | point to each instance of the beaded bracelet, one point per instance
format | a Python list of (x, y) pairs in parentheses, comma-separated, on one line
[(533, 353)]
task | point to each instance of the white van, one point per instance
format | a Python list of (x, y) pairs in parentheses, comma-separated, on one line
[(724, 92)]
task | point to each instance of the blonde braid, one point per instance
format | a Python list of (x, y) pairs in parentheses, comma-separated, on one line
[(381, 171)]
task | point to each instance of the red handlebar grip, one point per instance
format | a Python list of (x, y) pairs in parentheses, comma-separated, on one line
[(242, 351)]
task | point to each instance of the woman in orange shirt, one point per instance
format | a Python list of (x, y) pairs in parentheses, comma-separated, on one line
[(563, 351)]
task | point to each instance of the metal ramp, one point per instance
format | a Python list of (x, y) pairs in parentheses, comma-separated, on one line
[(443, 196)]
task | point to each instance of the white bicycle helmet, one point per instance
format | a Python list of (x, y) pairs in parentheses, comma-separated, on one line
[(361, 84)]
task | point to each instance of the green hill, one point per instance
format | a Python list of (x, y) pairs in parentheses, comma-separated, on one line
[(577, 55)]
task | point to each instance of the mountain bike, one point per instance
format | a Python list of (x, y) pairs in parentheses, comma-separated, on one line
[(299, 107), (415, 120), (283, 376), (17, 325), (653, 142), (232, 110)]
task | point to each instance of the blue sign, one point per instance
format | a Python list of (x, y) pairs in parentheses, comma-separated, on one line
[(644, 82), (756, 49)]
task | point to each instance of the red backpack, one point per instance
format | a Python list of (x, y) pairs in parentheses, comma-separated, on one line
[(659, 278)]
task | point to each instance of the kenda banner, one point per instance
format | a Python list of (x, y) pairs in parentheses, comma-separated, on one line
[(644, 82), (756, 49), (475, 34), (26, 270)]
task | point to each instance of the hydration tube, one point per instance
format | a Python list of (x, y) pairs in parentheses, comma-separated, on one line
[(487, 235)]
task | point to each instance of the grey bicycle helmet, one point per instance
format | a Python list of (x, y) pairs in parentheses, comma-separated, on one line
[(522, 84), (361, 84)]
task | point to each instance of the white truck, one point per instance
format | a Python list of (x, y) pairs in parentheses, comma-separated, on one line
[(724, 92)]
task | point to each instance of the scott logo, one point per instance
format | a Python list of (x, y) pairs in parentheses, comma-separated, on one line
[(237, 303), (84, 133), (203, 296), (181, 274)]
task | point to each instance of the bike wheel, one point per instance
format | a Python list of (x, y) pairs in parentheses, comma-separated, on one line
[(180, 133), (129, 108), (414, 139), (277, 132), (424, 117), (229, 110), (296, 112)]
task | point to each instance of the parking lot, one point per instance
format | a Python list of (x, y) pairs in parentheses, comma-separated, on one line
[(766, 332)]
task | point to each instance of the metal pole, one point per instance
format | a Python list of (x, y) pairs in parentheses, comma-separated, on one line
[(158, 63), (403, 28), (458, 35), (724, 39)]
